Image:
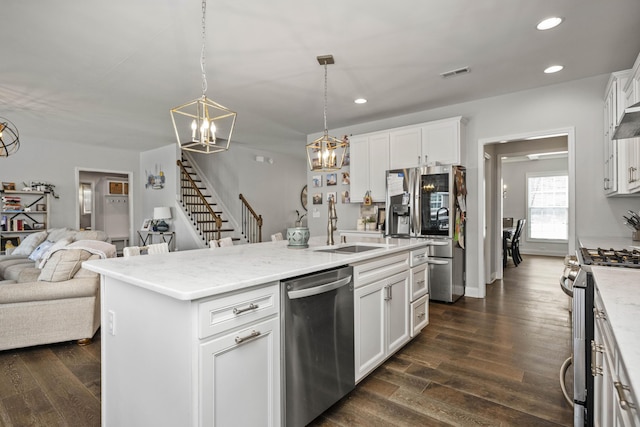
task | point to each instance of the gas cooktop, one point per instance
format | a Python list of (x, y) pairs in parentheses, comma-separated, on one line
[(611, 257)]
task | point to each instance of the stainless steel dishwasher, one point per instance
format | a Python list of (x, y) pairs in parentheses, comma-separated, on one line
[(317, 330)]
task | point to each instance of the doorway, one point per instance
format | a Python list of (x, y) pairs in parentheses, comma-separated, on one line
[(491, 213), (105, 202)]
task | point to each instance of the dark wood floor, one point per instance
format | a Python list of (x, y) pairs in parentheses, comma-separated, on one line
[(491, 362), (479, 362)]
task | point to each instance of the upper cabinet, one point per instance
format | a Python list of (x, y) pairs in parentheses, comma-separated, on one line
[(369, 161), (441, 141), (421, 144), (621, 157)]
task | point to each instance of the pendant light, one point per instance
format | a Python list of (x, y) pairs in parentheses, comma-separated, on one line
[(327, 154), (9, 138), (200, 124)]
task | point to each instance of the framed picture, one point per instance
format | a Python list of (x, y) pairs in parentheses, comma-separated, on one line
[(316, 181), (41, 207), (346, 179), (8, 186), (15, 241), (345, 197), (317, 198), (332, 194), (146, 224), (332, 179), (38, 226)]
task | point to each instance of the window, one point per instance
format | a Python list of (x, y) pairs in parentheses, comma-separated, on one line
[(548, 206)]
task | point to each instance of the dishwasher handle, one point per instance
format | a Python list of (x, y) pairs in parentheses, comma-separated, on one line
[(316, 290)]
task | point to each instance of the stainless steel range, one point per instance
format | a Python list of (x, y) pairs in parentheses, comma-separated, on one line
[(577, 282)]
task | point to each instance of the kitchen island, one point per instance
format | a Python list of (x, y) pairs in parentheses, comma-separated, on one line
[(171, 333)]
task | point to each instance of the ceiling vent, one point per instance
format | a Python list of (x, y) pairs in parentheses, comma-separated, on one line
[(453, 73)]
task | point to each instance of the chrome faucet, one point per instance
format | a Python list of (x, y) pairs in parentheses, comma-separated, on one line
[(333, 219)]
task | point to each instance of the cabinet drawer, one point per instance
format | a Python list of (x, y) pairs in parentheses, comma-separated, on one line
[(379, 268), (222, 314), (419, 281), (419, 315)]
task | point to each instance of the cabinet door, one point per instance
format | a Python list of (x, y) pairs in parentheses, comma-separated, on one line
[(441, 142), (397, 307), (378, 165), (369, 327), (359, 169), (404, 148), (240, 381)]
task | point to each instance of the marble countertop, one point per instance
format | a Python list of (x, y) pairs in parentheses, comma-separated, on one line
[(620, 292), (199, 273)]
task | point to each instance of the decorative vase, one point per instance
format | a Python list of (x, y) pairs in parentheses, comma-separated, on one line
[(298, 237)]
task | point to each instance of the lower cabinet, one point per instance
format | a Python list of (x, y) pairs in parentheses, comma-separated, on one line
[(240, 377), (381, 321), (614, 401)]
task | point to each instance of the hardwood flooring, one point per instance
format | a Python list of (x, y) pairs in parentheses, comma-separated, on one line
[(492, 362)]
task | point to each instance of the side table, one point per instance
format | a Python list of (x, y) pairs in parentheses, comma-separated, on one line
[(150, 237)]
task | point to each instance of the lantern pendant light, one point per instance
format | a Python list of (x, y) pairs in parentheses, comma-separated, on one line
[(327, 154), (199, 124)]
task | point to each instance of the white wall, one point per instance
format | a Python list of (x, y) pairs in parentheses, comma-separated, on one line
[(575, 104), (56, 162), (514, 174), (272, 189)]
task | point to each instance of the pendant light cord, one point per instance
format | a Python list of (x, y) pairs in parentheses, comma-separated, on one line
[(326, 130), (202, 52)]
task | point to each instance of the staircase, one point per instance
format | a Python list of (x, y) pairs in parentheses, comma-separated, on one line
[(200, 207)]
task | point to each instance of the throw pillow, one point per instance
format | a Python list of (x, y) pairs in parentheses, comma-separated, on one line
[(56, 234), (39, 252), (30, 243), (63, 265)]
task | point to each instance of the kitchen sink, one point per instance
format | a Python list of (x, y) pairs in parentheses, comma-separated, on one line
[(349, 249)]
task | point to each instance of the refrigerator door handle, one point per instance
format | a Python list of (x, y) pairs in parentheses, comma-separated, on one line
[(414, 178), (437, 243), (436, 262)]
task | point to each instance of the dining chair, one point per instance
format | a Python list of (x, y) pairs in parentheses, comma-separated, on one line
[(513, 243), (276, 236), (225, 241), (154, 249)]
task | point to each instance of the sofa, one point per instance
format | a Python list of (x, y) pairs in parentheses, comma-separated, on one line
[(45, 294)]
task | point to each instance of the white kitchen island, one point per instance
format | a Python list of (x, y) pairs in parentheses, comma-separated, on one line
[(173, 352)]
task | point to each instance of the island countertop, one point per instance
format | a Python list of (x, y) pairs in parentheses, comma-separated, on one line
[(200, 273)]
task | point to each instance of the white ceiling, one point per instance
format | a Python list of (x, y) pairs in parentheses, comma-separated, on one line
[(107, 72)]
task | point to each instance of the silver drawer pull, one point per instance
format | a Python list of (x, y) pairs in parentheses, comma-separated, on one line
[(621, 388), (421, 282), (253, 334), (252, 306), (421, 315)]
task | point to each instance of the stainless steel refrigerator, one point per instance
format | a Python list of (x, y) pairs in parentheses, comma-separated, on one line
[(431, 202)]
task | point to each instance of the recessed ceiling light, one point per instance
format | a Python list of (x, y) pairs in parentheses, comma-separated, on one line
[(549, 23), (553, 69), (360, 101)]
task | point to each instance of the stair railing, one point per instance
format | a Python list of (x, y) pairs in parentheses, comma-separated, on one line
[(192, 196), (251, 222)]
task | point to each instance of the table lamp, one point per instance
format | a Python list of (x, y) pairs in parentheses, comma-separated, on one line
[(159, 215)]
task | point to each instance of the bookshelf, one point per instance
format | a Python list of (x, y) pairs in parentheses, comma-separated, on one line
[(22, 213)]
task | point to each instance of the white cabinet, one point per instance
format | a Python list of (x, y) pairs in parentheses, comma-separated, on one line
[(381, 321), (369, 161), (405, 148), (169, 362), (381, 312), (632, 96), (421, 144), (441, 141), (621, 157), (238, 368), (615, 403)]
